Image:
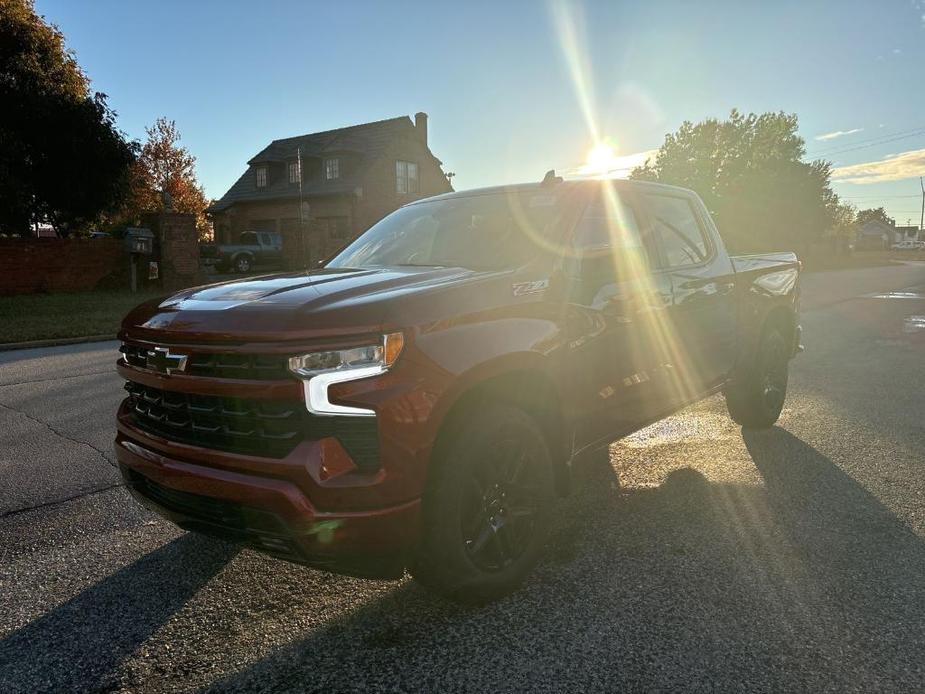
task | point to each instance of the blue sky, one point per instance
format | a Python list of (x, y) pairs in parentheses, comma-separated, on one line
[(503, 101)]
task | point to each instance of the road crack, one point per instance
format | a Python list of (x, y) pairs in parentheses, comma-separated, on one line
[(60, 433), (58, 502)]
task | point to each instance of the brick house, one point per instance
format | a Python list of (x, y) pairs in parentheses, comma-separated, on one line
[(351, 178)]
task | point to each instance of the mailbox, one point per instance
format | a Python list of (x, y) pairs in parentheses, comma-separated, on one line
[(139, 241)]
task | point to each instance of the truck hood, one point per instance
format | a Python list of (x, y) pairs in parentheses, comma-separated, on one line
[(295, 306)]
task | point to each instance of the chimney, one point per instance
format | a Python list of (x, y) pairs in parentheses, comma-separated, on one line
[(420, 125)]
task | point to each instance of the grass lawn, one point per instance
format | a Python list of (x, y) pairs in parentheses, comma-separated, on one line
[(44, 316)]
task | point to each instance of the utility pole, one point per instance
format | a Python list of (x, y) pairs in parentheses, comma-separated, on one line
[(922, 218)]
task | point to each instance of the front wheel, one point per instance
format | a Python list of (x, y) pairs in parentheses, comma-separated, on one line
[(755, 399), (243, 263), (487, 507)]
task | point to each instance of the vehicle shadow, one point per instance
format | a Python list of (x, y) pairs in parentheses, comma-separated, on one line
[(860, 555), (106, 622), (808, 583)]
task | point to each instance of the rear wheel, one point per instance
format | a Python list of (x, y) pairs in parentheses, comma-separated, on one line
[(487, 508), (756, 398)]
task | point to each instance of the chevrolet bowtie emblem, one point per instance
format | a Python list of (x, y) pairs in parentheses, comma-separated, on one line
[(161, 360)]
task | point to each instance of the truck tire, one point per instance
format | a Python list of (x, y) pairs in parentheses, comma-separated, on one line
[(487, 508), (243, 263), (756, 397)]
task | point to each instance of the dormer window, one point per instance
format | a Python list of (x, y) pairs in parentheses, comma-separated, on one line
[(294, 173), (331, 169), (261, 176)]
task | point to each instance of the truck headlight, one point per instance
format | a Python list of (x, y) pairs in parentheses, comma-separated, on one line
[(319, 370)]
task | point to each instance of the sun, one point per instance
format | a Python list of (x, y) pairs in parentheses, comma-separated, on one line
[(601, 159)]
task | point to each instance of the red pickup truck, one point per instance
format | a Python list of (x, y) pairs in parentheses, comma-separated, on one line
[(418, 402)]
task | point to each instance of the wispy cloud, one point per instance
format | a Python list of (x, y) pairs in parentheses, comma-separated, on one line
[(618, 167), (630, 161), (838, 133), (891, 168)]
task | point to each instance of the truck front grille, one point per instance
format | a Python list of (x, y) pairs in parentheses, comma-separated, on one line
[(251, 367), (253, 427), (267, 428)]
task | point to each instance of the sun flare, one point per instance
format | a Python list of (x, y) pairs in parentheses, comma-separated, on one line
[(602, 158)]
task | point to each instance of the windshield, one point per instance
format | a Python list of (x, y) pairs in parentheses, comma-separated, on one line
[(481, 232)]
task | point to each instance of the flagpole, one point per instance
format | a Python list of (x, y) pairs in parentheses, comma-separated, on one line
[(301, 207)]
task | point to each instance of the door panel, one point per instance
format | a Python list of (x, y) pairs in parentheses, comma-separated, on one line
[(705, 315), (702, 325), (616, 312)]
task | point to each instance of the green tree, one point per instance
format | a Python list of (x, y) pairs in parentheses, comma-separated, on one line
[(875, 214), (165, 165), (62, 160), (843, 227), (750, 172)]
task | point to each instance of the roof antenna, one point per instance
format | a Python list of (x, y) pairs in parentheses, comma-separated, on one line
[(551, 178)]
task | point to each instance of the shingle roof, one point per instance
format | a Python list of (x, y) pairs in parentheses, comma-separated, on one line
[(366, 139)]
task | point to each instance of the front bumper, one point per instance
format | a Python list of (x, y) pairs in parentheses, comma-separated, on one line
[(266, 512)]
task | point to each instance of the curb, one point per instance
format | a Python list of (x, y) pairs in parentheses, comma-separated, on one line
[(54, 342)]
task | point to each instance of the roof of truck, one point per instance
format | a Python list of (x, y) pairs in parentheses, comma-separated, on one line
[(569, 184)]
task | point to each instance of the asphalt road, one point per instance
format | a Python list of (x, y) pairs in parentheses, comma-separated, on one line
[(703, 558)]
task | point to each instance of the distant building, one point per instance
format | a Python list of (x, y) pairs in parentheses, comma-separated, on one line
[(875, 234), (909, 233), (350, 178)]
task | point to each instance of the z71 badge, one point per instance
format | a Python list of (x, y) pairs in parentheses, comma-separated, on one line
[(535, 287)]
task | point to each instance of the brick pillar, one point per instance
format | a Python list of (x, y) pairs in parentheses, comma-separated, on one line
[(178, 242), (317, 233), (293, 245)]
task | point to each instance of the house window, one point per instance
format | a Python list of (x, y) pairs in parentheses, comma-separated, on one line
[(331, 169), (406, 177), (261, 177), (294, 173)]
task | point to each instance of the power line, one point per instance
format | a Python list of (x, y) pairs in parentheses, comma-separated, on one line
[(872, 142), (874, 197), (827, 148)]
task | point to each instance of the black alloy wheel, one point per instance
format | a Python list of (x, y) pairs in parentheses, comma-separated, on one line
[(756, 396), (487, 507), (499, 507)]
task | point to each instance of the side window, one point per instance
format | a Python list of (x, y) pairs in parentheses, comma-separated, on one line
[(607, 223), (676, 224), (248, 238), (607, 242)]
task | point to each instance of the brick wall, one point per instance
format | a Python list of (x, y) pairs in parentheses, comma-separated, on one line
[(29, 266)]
